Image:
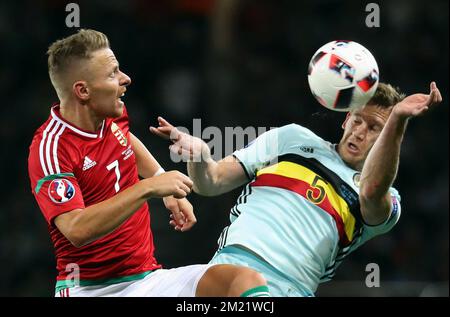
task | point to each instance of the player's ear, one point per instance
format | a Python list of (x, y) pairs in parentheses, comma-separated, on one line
[(347, 117), (81, 90)]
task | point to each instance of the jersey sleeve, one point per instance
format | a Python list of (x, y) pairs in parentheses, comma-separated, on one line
[(372, 231), (55, 193), (269, 145)]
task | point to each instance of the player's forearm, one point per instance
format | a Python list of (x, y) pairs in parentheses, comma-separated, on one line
[(100, 219), (203, 170), (214, 178), (204, 175), (380, 168)]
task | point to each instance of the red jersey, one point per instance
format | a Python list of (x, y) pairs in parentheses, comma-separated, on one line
[(69, 169)]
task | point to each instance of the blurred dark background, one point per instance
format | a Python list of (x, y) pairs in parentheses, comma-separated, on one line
[(232, 63)]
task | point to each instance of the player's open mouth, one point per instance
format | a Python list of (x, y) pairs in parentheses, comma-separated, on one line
[(352, 148), (120, 100)]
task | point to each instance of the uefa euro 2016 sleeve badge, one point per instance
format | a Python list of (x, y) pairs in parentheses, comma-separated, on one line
[(61, 190)]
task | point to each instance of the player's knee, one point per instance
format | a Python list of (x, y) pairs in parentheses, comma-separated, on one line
[(251, 278), (245, 279)]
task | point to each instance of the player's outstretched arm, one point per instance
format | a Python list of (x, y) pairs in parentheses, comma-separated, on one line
[(210, 178), (380, 168), (82, 226), (215, 178)]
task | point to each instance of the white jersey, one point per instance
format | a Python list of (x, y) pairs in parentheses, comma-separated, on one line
[(300, 212)]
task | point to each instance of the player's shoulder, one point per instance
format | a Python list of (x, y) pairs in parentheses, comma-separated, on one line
[(48, 135), (296, 128), (53, 149), (298, 133)]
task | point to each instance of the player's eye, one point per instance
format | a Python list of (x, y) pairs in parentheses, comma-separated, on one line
[(374, 128), (114, 72)]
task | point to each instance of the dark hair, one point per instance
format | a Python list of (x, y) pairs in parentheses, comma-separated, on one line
[(386, 96)]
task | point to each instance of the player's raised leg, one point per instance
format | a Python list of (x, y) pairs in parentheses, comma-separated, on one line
[(232, 281)]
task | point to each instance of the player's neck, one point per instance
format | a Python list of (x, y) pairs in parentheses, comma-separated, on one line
[(80, 115)]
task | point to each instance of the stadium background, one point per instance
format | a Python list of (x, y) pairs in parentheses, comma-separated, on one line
[(232, 63)]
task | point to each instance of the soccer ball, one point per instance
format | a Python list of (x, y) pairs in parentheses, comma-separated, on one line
[(343, 75)]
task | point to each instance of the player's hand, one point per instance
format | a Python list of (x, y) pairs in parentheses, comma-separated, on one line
[(187, 146), (182, 216), (417, 104), (171, 183)]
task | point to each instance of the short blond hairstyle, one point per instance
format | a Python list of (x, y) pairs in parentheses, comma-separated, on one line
[(386, 96), (77, 46)]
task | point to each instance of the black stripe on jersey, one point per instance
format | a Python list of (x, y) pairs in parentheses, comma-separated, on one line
[(331, 270), (223, 238), (328, 276), (243, 197), (332, 266), (341, 255), (249, 192), (235, 212), (348, 194), (345, 250), (243, 194), (241, 200)]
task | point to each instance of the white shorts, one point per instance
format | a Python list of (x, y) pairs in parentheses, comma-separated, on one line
[(177, 282)]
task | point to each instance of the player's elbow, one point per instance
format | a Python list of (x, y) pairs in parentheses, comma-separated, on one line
[(78, 237), (77, 243), (75, 240), (371, 192), (74, 229), (374, 210)]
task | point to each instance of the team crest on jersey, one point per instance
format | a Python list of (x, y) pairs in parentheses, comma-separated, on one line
[(61, 191), (119, 134), (357, 179)]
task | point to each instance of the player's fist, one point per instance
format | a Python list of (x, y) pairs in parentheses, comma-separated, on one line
[(171, 183)]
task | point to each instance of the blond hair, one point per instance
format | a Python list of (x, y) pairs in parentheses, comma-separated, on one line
[(78, 46), (386, 96)]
